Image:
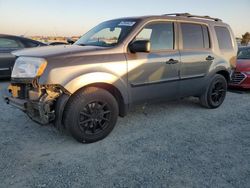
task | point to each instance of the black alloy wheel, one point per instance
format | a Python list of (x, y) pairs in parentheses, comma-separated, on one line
[(218, 93), (215, 93), (94, 117), (91, 114)]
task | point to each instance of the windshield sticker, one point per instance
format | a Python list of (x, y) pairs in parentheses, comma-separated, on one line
[(129, 24)]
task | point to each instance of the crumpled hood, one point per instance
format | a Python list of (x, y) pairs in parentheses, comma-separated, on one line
[(50, 51), (243, 65)]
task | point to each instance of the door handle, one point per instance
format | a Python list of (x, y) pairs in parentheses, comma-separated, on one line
[(210, 58), (172, 61)]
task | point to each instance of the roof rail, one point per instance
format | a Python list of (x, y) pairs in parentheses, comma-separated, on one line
[(193, 16)]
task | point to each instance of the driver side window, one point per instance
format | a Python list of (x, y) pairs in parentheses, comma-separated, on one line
[(160, 35)]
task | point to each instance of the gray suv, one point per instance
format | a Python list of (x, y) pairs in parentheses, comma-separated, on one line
[(84, 87)]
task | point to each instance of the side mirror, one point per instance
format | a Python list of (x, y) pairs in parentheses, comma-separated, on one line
[(140, 46), (70, 41)]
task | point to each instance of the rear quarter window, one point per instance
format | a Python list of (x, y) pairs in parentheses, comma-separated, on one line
[(224, 38)]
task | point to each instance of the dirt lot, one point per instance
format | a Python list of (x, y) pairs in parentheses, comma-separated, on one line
[(177, 144)]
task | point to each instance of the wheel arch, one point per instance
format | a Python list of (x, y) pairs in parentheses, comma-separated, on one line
[(221, 67), (98, 78), (106, 81), (113, 91), (225, 74)]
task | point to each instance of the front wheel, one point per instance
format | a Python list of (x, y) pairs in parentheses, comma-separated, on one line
[(215, 93), (91, 114)]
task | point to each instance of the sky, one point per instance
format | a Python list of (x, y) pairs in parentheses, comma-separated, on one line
[(75, 17)]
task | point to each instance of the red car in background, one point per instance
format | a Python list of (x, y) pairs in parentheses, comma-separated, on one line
[(241, 76)]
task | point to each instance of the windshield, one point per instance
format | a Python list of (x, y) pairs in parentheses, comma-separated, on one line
[(108, 34), (244, 53)]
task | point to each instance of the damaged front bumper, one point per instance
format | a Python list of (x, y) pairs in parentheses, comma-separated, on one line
[(18, 103), (38, 103)]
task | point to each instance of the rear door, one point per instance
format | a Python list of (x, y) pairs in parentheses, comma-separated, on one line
[(196, 57), (7, 60)]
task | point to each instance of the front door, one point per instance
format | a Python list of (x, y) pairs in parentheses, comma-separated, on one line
[(155, 75)]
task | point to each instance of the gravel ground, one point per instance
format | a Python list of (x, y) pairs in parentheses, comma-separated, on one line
[(176, 144)]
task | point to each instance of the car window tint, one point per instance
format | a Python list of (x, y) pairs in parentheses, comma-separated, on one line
[(194, 36), (8, 43), (224, 38), (160, 35)]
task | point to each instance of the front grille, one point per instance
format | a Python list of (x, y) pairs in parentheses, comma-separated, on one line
[(238, 78)]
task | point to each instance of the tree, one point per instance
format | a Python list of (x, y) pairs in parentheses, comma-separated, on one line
[(245, 39)]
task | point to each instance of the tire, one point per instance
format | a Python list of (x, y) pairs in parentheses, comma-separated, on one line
[(215, 93), (91, 114)]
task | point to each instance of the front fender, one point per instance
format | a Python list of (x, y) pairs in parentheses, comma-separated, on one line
[(97, 77)]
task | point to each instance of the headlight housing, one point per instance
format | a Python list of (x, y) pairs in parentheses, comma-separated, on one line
[(28, 67)]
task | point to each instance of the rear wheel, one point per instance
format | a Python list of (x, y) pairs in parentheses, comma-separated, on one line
[(215, 93), (91, 114)]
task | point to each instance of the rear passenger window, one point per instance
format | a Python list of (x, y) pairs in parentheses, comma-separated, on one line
[(195, 36), (224, 38)]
